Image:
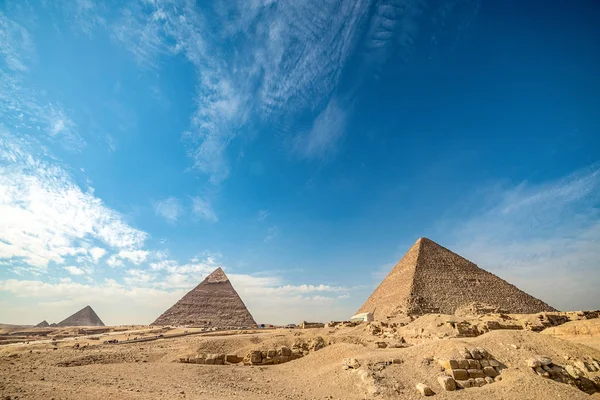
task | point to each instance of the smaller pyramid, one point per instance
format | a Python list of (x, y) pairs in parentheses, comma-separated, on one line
[(84, 317), (213, 303), (43, 324)]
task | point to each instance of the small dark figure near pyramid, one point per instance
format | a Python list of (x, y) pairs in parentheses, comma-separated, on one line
[(432, 279), (43, 324), (84, 317), (213, 303)]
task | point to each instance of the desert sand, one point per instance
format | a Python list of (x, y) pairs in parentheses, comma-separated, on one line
[(79, 366)]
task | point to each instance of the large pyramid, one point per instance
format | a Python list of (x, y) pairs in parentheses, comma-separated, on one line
[(432, 279), (214, 302), (84, 317)]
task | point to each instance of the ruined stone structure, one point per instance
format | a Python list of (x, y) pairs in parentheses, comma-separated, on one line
[(432, 279), (213, 303), (84, 317)]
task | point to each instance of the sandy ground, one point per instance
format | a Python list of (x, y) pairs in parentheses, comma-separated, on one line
[(151, 370)]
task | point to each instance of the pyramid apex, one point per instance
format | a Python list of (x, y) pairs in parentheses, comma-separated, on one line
[(217, 276)]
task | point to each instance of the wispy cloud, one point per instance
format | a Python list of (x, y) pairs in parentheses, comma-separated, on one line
[(16, 45), (262, 215), (169, 208), (543, 237), (272, 233), (203, 209), (325, 134)]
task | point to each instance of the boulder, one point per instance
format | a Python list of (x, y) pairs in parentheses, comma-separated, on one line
[(474, 364), (350, 363), (256, 357), (233, 359), (285, 351), (573, 372), (424, 389), (533, 363), (490, 372), (447, 383)]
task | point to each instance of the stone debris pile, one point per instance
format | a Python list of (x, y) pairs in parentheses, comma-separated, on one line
[(475, 368), (583, 374)]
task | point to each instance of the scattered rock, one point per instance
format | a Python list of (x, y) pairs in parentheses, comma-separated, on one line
[(424, 389), (350, 363), (447, 383)]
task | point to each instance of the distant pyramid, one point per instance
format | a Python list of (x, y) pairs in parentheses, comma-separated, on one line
[(84, 317), (43, 324), (214, 302), (432, 279)]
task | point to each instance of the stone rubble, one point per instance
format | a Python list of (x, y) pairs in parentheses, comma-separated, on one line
[(476, 368)]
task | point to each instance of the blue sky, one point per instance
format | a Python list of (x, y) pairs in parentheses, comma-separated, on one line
[(302, 146)]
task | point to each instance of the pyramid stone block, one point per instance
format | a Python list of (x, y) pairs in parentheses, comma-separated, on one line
[(432, 279), (213, 303)]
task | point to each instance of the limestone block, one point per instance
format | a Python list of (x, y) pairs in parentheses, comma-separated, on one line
[(463, 364), (484, 353), (545, 360), (448, 364), (541, 372), (271, 353), (533, 363), (285, 351), (424, 389), (573, 372), (233, 359), (489, 379), (184, 360), (467, 383), (381, 345), (447, 383), (396, 361), (493, 363), (479, 382), (475, 354), (582, 366), (460, 374), (474, 364), (464, 353), (490, 371), (210, 361), (255, 357), (475, 373), (484, 363)]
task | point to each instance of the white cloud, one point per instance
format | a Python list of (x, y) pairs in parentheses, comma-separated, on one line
[(169, 208), (46, 216), (74, 270), (97, 253), (203, 209), (541, 237)]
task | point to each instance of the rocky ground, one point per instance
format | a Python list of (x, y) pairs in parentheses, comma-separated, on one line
[(366, 361)]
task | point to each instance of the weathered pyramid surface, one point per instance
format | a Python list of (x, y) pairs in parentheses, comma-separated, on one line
[(214, 302), (43, 324), (84, 317), (432, 279)]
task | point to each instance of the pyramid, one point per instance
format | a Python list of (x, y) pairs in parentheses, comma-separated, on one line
[(432, 279), (43, 324), (84, 317), (214, 302)]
